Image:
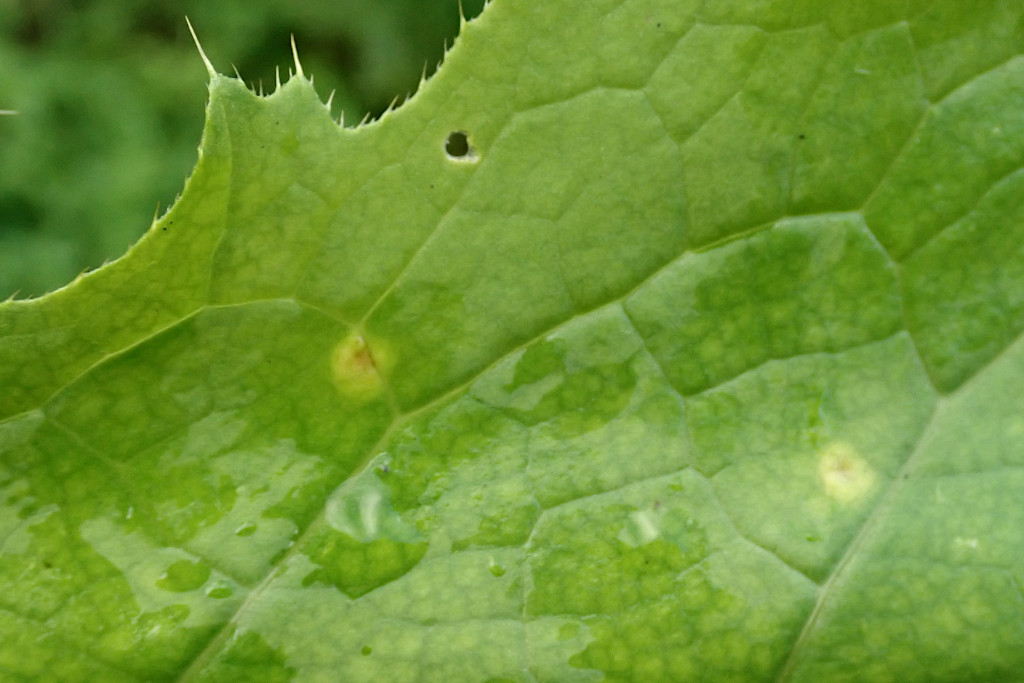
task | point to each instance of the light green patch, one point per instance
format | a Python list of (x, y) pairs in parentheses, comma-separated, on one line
[(163, 578), (766, 463), (778, 293)]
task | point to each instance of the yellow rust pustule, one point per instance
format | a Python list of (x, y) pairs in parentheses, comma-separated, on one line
[(358, 368)]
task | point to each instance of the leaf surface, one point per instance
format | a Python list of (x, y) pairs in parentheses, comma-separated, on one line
[(699, 360)]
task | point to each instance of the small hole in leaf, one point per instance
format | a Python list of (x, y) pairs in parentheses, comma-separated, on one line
[(457, 144), (457, 147)]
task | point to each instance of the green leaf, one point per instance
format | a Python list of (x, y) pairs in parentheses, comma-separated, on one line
[(110, 106), (700, 360)]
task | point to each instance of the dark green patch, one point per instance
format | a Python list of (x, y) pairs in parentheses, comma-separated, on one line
[(537, 362), (248, 658), (589, 564), (357, 568)]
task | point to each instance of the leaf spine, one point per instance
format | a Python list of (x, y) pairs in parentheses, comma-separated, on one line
[(209, 65), (295, 56)]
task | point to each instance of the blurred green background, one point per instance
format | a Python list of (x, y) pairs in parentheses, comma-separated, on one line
[(110, 97)]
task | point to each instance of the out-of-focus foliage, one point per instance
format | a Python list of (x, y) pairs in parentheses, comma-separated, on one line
[(110, 104)]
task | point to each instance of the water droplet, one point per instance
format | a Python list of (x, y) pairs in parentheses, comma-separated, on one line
[(568, 631), (183, 576), (219, 591), (497, 569), (642, 527), (247, 529), (367, 650)]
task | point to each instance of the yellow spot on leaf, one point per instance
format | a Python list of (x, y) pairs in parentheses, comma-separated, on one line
[(847, 477), (357, 369)]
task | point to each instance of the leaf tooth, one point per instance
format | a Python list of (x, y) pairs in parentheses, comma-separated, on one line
[(295, 56), (206, 60)]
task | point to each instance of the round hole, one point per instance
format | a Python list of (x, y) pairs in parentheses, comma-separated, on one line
[(457, 145)]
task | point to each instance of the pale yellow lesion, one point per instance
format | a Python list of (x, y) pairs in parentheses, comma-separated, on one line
[(845, 474), (358, 369)]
